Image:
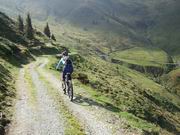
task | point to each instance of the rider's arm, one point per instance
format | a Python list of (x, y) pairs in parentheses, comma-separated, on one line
[(60, 63)]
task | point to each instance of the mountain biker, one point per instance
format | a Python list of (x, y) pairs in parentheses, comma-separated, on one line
[(67, 67)]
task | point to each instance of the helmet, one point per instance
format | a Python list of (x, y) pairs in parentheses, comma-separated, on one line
[(65, 53)]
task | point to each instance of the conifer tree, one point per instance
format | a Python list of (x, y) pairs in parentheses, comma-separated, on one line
[(47, 31), (29, 29), (53, 37), (20, 24)]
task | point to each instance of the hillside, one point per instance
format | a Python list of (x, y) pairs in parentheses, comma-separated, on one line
[(131, 94), (15, 51), (114, 85), (147, 22), (12, 55), (125, 54)]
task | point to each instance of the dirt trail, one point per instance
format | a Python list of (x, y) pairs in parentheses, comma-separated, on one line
[(50, 120), (43, 118), (96, 120), (24, 122), (39, 119)]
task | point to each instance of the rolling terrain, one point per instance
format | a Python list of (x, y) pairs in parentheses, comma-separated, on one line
[(149, 22), (27, 96), (125, 53)]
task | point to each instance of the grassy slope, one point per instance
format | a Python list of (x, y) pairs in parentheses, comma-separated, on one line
[(7, 92), (172, 81), (119, 83), (9, 64), (142, 56), (136, 97), (14, 52), (12, 55), (132, 92)]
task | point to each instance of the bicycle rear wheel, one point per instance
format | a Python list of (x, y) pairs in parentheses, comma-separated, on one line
[(70, 91)]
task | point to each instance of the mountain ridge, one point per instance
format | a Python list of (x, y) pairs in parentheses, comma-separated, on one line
[(146, 21)]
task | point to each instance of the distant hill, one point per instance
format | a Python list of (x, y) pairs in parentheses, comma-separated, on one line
[(150, 22)]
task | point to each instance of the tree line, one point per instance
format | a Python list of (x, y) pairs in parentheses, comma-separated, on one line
[(28, 30)]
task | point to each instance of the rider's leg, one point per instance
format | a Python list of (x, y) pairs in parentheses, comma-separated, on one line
[(63, 82)]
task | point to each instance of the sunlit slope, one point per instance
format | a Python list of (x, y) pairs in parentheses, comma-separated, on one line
[(146, 60), (135, 95), (142, 56)]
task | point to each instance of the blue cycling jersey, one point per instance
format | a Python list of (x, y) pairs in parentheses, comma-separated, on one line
[(68, 66)]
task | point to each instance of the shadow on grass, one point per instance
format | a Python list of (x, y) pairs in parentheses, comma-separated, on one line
[(84, 101), (162, 122)]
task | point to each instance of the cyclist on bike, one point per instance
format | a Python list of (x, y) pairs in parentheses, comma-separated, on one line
[(67, 67)]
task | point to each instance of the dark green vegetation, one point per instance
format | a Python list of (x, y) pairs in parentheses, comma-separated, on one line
[(8, 30), (47, 31), (20, 24), (29, 28)]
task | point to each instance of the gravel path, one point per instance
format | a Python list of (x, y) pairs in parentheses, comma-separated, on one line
[(95, 119), (24, 121), (49, 119), (44, 119), (41, 119)]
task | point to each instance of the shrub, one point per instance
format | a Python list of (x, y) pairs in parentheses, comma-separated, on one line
[(83, 78)]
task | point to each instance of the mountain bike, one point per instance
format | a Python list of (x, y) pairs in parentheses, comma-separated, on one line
[(69, 86)]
